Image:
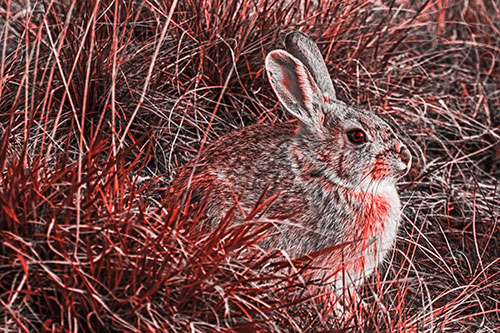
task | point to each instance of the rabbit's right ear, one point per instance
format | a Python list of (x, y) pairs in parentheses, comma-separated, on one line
[(295, 87)]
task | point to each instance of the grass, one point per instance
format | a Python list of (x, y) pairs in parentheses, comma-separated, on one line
[(101, 101)]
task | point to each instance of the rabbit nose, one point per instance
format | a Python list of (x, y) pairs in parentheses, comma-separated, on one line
[(404, 154)]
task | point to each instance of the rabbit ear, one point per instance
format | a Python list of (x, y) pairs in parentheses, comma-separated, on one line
[(303, 48), (294, 86)]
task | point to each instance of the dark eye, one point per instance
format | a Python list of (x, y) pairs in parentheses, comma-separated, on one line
[(356, 136)]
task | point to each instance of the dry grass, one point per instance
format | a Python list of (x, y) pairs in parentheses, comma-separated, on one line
[(101, 101)]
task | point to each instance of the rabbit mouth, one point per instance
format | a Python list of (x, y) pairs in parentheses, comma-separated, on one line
[(400, 168), (403, 168)]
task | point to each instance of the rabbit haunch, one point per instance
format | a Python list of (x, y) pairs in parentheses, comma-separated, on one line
[(329, 190)]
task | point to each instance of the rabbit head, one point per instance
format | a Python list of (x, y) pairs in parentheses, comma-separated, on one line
[(348, 146)]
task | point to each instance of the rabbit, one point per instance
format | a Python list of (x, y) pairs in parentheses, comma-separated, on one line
[(333, 171)]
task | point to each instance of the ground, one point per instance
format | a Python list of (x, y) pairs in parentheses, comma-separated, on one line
[(102, 101)]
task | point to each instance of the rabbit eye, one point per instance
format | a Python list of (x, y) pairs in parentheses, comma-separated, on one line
[(356, 136)]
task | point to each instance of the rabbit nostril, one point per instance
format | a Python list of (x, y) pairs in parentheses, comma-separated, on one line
[(405, 155), (398, 147)]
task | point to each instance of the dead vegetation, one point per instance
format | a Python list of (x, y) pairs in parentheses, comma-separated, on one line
[(100, 101)]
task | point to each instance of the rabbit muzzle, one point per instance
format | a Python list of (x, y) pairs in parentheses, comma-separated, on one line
[(404, 159)]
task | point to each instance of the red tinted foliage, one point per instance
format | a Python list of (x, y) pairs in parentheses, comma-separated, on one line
[(101, 101)]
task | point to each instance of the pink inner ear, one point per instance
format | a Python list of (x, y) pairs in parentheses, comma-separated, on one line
[(285, 82), (293, 82), (294, 85)]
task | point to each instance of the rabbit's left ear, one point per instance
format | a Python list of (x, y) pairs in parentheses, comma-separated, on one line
[(295, 87), (306, 51)]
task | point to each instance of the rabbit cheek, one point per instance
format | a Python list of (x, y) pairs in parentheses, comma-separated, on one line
[(325, 156), (307, 172), (380, 169)]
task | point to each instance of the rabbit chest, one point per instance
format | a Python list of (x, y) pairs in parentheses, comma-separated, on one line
[(368, 229), (377, 218)]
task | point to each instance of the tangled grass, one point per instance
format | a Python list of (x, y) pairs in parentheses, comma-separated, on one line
[(101, 101)]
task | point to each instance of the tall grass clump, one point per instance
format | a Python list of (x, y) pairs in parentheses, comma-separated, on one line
[(101, 101)]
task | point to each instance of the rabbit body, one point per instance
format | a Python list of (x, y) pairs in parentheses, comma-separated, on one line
[(333, 171)]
